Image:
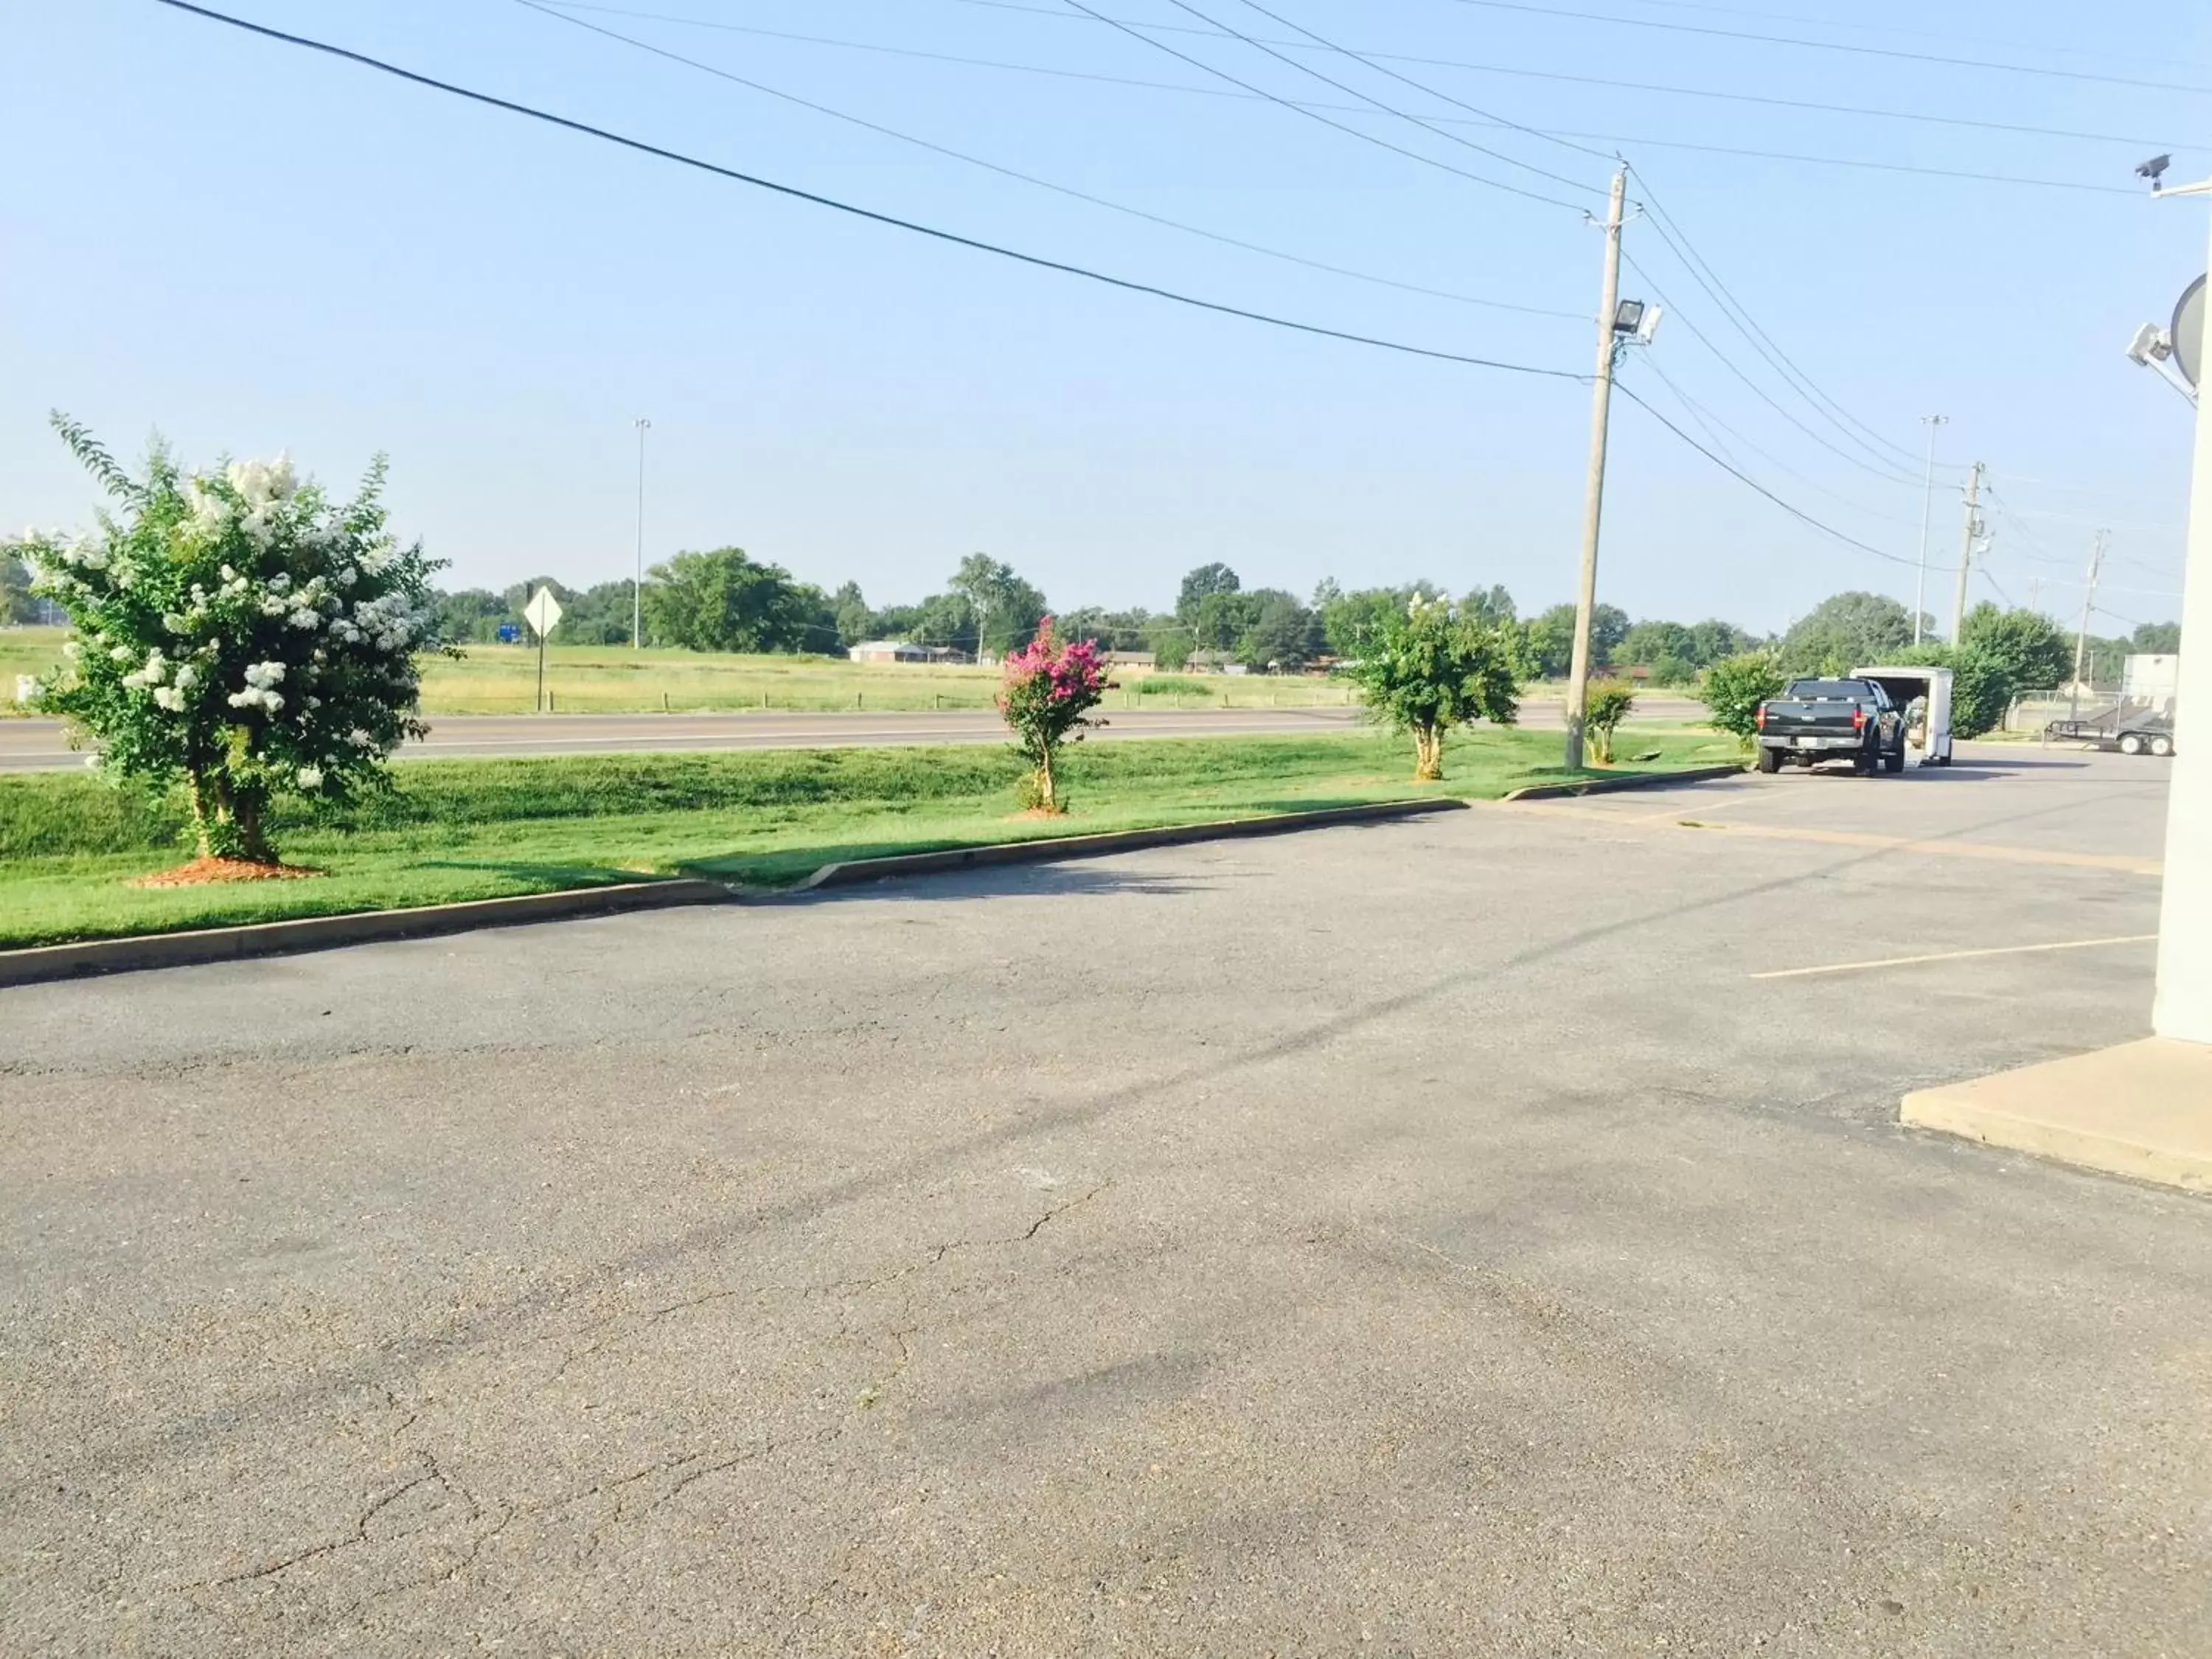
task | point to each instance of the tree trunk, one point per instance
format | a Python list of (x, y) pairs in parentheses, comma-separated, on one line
[(1428, 754), (1047, 786), (227, 824)]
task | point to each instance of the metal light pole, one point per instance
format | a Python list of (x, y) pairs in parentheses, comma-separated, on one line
[(637, 583), (1594, 503), (1927, 502)]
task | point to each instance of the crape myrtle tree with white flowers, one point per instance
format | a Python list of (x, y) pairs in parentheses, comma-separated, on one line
[(238, 631)]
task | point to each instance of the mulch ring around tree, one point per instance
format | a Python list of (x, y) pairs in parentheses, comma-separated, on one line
[(201, 872)]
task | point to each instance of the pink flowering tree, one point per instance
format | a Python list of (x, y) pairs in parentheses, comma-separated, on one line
[(1047, 692)]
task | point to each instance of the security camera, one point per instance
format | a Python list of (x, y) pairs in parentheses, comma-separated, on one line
[(2154, 169), (2150, 345)]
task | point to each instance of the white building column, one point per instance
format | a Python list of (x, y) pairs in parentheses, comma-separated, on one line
[(2183, 1006)]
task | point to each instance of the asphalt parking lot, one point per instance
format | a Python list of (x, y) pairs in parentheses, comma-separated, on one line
[(1474, 1234)]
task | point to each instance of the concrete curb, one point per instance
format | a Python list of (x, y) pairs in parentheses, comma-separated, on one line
[(1051, 849), (1610, 785), (44, 963)]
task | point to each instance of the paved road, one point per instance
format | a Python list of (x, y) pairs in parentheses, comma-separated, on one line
[(36, 746), (1417, 1239)]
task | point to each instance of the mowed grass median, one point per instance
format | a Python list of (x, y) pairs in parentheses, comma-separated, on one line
[(450, 831)]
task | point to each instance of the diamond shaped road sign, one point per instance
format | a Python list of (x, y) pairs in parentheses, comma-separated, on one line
[(542, 612)]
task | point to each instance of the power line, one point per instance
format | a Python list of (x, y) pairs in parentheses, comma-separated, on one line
[(1738, 474), (792, 191), (1706, 417), (1831, 45), (1863, 28), (1382, 69), (1368, 98), (1757, 390), (1135, 34), (1793, 158), (1043, 184), (1376, 58), (1700, 268)]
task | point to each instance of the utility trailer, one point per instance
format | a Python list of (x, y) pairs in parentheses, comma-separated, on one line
[(1924, 694), (2126, 730), (2141, 722)]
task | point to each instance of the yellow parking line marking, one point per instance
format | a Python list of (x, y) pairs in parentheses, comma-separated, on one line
[(1956, 956)]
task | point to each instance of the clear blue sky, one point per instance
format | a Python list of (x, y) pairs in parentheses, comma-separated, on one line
[(250, 248)]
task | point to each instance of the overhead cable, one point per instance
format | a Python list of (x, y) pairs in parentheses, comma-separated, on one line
[(1617, 21), (1752, 483), (561, 16), (1678, 240), (792, 192), (1377, 58), (1136, 33), (1138, 83)]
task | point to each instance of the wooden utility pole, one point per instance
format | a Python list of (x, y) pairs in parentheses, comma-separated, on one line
[(1594, 500), (2081, 636), (1973, 528)]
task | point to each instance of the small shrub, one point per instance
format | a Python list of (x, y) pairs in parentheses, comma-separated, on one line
[(1428, 669), (1168, 685), (1607, 703), (1047, 689), (1734, 688)]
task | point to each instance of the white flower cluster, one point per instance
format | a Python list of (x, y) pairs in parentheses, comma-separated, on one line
[(261, 679), (261, 489)]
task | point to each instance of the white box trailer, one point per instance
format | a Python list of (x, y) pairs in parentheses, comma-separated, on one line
[(1925, 694)]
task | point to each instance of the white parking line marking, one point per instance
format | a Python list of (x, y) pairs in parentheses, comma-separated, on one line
[(1957, 955)]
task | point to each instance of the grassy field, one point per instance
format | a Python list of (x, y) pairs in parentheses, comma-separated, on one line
[(466, 830), (590, 679)]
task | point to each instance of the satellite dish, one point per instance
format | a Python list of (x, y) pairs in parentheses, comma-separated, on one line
[(2187, 333)]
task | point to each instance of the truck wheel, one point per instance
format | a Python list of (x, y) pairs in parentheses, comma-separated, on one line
[(1770, 760), (1893, 762), (2161, 746), (2131, 744)]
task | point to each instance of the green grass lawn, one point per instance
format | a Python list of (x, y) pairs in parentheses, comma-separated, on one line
[(594, 679), (449, 830)]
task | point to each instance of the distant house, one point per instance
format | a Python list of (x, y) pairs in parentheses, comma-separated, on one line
[(1215, 662), (1131, 659), (894, 650)]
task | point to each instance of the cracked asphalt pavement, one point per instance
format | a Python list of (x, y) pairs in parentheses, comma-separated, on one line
[(1423, 1239)]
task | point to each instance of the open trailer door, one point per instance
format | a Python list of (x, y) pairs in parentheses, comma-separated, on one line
[(1925, 694)]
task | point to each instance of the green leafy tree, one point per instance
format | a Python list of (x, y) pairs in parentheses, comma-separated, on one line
[(1199, 585), (724, 600), (1492, 606), (238, 631), (1223, 619), (1982, 683), (2025, 645), (1003, 609), (1348, 619), (1284, 635), (1713, 639), (1733, 689), (598, 615), (1427, 670), (855, 621), (900, 621), (2155, 639), (17, 603), (1608, 702), (1169, 643), (1843, 632)]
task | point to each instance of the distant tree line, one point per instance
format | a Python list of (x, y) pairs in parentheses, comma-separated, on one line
[(726, 600)]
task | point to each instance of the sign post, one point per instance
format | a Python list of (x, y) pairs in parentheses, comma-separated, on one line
[(542, 613)]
